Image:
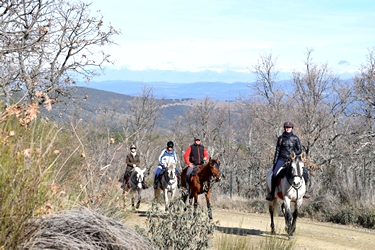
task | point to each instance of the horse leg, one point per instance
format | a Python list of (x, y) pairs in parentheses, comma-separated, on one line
[(294, 223), (166, 199), (208, 205), (287, 215), (271, 209), (124, 193), (132, 199), (195, 196), (139, 198)]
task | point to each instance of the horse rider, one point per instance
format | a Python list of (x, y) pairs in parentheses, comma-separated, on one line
[(133, 160), (167, 156), (196, 154), (286, 144)]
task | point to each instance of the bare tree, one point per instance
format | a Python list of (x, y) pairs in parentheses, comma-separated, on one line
[(364, 130), (46, 45), (268, 103), (319, 101), (139, 124)]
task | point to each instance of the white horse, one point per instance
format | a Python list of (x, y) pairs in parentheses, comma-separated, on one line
[(134, 184), (291, 189), (168, 184)]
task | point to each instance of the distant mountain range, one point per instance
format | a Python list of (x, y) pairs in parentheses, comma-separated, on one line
[(223, 86), (196, 90)]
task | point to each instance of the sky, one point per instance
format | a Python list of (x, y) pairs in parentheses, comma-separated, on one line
[(231, 35)]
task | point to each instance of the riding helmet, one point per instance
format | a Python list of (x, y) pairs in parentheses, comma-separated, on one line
[(197, 137), (170, 144), (133, 146), (288, 124)]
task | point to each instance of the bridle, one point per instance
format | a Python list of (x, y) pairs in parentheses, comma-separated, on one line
[(170, 179), (217, 177), (216, 165), (291, 175), (137, 180)]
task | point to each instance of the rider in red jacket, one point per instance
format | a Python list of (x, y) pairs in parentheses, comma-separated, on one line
[(195, 155)]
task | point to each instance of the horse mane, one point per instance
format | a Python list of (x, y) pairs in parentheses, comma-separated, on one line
[(171, 166), (136, 170)]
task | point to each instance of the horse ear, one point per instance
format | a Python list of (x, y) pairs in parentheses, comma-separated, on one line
[(303, 155), (293, 155)]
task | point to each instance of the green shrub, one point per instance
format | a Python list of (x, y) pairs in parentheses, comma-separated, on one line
[(26, 160), (346, 215), (177, 228), (367, 219)]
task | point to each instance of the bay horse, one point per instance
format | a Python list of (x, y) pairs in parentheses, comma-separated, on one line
[(201, 183), (134, 184), (291, 189), (167, 184)]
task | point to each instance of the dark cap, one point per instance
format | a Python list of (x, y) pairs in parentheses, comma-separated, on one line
[(197, 137), (133, 146), (288, 124), (170, 144)]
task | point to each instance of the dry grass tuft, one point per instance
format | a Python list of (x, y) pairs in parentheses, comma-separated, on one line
[(237, 203), (81, 229)]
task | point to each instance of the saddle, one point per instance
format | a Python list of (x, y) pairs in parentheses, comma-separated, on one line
[(162, 172), (192, 174), (281, 175)]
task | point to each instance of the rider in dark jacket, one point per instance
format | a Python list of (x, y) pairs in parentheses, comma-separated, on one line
[(195, 154), (286, 144)]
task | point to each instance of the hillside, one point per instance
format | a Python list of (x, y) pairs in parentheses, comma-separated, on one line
[(86, 103)]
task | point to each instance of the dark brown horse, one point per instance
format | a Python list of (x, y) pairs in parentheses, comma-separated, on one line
[(201, 183)]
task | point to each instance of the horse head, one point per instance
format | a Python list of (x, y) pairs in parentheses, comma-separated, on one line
[(170, 171), (297, 165), (215, 167), (138, 177)]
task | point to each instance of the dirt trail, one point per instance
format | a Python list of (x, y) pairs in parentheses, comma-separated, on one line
[(309, 234)]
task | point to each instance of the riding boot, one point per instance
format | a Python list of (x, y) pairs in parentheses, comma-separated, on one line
[(306, 195), (305, 175), (271, 195), (123, 181), (178, 179), (156, 181)]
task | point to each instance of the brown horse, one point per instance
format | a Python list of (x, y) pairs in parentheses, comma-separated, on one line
[(201, 183)]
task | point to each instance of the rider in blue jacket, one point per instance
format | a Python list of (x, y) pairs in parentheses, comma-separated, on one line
[(166, 157)]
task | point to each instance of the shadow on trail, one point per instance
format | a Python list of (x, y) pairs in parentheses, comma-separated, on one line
[(239, 231)]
